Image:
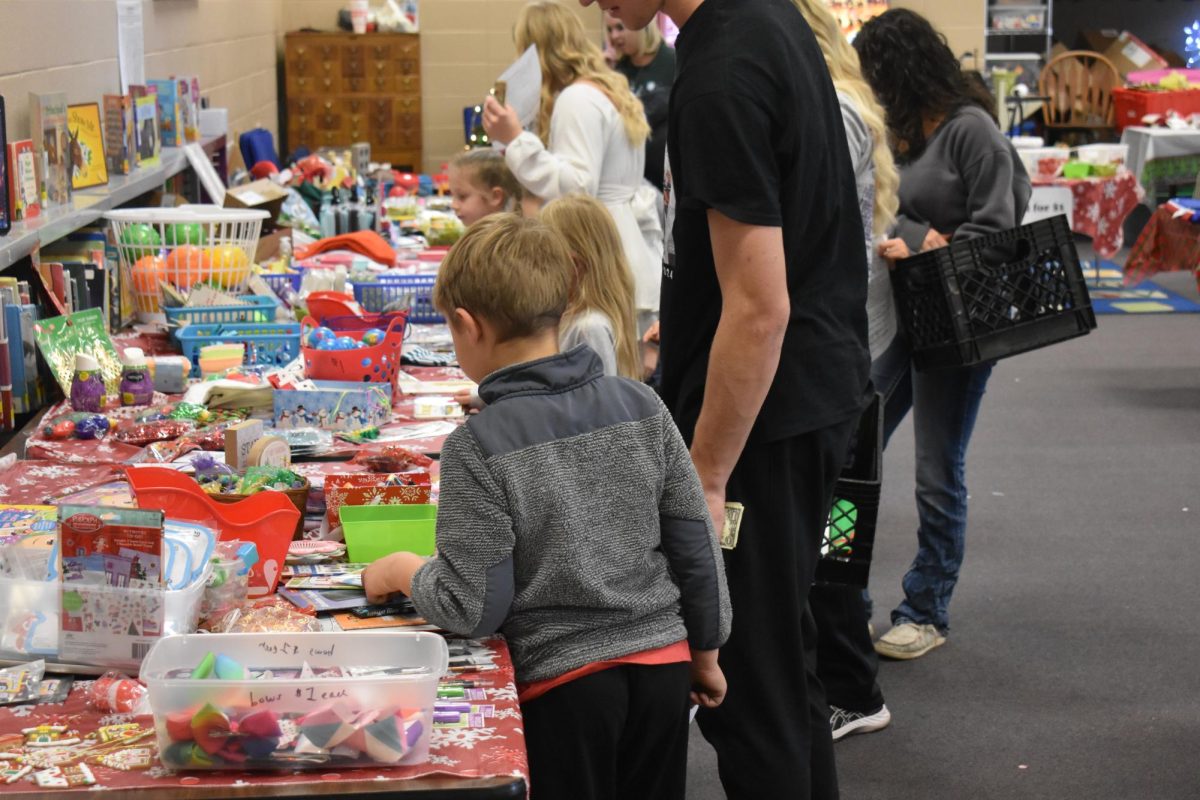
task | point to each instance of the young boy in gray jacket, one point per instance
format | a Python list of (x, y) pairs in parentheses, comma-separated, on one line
[(570, 519)]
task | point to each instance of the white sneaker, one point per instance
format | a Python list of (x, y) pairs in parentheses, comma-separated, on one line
[(908, 640), (843, 722)]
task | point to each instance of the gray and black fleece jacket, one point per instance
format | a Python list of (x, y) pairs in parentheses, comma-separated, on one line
[(571, 519)]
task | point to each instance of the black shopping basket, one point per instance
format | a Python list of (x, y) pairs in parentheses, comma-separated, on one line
[(994, 296), (849, 538)]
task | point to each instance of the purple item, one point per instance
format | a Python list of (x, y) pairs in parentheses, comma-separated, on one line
[(87, 387)]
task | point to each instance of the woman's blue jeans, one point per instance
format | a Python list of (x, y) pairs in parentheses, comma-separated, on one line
[(945, 404)]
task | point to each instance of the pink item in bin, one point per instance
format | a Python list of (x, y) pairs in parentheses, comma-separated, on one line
[(268, 519), (1156, 75)]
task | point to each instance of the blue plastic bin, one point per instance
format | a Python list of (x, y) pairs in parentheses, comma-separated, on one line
[(267, 343), (257, 309), (374, 297)]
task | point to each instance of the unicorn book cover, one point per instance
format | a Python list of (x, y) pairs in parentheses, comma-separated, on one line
[(86, 131)]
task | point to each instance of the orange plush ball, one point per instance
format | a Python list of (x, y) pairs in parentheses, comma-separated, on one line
[(187, 265)]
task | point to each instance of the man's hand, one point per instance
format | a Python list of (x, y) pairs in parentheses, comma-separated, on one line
[(501, 122), (708, 681)]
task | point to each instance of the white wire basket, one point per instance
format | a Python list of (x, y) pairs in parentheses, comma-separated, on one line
[(184, 247)]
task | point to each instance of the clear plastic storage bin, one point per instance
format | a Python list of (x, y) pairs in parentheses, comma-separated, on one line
[(284, 711)]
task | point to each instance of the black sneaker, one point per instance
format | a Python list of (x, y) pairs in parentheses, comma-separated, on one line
[(843, 722)]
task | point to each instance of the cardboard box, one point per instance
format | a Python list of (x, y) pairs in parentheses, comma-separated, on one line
[(334, 406), (1098, 40), (1131, 54), (264, 195)]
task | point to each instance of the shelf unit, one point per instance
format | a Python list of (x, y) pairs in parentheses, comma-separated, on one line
[(1002, 40), (88, 205)]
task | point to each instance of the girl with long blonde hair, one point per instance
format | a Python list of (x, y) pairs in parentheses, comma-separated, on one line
[(589, 138), (601, 312)]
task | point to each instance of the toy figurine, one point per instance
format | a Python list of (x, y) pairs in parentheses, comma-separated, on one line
[(87, 387)]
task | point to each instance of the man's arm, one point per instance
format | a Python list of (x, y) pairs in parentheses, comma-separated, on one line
[(755, 308)]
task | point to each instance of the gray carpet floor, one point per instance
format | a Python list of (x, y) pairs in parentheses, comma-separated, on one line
[(1068, 672)]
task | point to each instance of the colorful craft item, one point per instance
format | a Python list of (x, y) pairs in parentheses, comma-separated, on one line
[(384, 740), (204, 669), (325, 727), (114, 693), (357, 740), (179, 726), (210, 728), (130, 758), (227, 669), (64, 777), (120, 732), (48, 736), (13, 774), (187, 755), (51, 778)]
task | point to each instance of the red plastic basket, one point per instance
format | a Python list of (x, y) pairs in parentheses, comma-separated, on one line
[(378, 364), (268, 518), (332, 304), (1133, 104)]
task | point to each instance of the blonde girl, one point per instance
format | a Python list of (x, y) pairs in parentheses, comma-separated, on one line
[(874, 168), (482, 184), (601, 313), (589, 138)]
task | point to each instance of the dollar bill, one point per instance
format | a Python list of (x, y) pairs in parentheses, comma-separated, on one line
[(732, 526)]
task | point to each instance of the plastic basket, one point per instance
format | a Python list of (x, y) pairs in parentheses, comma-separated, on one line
[(376, 364), (374, 297), (256, 309), (267, 343), (993, 297), (184, 246), (849, 539), (280, 281), (1133, 104), (373, 532)]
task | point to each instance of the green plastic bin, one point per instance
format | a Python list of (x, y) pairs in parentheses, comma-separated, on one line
[(373, 532)]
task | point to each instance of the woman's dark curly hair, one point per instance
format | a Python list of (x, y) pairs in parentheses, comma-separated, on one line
[(915, 75)]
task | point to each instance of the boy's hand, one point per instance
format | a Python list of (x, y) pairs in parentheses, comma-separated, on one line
[(390, 574), (708, 682), (469, 400)]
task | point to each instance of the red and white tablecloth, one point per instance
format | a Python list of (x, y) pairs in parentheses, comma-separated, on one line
[(1100, 207)]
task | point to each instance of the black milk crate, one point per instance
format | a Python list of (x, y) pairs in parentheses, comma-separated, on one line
[(849, 538), (994, 296)]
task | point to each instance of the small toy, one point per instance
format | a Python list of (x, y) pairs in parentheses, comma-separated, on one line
[(48, 736), (120, 732), (87, 386), (373, 337), (318, 335), (210, 728), (14, 774), (345, 343), (125, 760), (136, 387), (114, 693), (325, 728)]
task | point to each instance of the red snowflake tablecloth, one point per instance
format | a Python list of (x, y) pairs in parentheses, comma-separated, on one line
[(497, 750), (37, 482), (1101, 206), (1166, 244)]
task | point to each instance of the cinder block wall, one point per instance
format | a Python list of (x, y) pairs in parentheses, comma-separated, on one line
[(71, 46)]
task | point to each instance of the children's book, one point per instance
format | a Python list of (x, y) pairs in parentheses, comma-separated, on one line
[(169, 127), (24, 197), (145, 118), (120, 138), (88, 167), (188, 91), (52, 143)]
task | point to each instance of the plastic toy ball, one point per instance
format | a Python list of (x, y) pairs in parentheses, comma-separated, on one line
[(318, 335), (345, 343), (327, 344), (372, 337)]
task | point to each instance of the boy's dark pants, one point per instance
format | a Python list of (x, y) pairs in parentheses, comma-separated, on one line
[(772, 732), (618, 733)]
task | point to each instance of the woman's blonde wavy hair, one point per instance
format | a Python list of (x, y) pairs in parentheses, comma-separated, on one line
[(605, 281), (847, 76), (567, 56)]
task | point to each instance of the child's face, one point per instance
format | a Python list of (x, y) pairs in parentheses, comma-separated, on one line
[(471, 202), (623, 42), (468, 348)]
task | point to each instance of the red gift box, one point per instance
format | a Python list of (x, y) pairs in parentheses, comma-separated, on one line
[(372, 489)]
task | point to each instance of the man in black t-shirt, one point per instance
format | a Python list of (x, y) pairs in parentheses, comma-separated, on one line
[(763, 353)]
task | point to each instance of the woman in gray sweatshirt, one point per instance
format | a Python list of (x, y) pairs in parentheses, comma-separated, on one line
[(959, 178)]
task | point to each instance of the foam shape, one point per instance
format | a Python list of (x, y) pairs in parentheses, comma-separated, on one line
[(384, 740), (204, 669), (227, 669), (357, 739), (260, 724), (326, 727), (211, 728), (179, 726)]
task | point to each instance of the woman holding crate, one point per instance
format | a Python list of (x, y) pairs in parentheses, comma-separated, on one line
[(959, 178)]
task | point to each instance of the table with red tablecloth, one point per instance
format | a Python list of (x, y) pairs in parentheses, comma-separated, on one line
[(1100, 207), (487, 761), (1168, 243)]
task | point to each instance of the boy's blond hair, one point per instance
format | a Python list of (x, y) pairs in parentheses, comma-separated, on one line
[(605, 281), (488, 170), (514, 272)]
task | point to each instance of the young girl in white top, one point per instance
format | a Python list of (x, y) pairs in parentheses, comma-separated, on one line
[(601, 313), (589, 138)]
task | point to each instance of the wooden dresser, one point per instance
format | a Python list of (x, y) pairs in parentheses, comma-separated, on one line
[(343, 89)]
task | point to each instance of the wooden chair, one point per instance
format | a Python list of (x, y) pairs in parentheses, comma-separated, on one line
[(1080, 86)]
